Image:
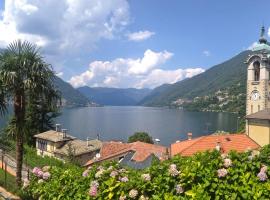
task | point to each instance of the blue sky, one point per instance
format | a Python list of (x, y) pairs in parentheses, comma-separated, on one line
[(135, 43)]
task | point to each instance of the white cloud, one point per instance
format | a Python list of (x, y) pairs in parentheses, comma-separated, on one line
[(128, 72), (159, 76), (206, 53), (150, 60), (140, 35), (62, 27)]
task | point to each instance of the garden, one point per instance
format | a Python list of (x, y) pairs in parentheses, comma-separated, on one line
[(206, 175)]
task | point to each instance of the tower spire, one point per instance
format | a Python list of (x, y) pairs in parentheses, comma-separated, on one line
[(262, 39)]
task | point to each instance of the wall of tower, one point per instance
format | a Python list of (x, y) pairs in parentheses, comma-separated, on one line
[(262, 103)]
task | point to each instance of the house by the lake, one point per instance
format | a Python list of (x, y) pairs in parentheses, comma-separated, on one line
[(57, 143)]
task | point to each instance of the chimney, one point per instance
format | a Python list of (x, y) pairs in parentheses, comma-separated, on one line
[(64, 133), (57, 127), (189, 136)]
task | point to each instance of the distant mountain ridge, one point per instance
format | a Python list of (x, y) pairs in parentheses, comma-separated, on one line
[(224, 75), (70, 96), (114, 96)]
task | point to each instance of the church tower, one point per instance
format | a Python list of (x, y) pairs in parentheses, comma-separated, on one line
[(258, 85), (258, 92)]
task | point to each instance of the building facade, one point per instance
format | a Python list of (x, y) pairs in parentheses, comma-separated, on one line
[(60, 145), (258, 92)]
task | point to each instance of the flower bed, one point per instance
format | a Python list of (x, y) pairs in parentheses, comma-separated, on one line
[(207, 175)]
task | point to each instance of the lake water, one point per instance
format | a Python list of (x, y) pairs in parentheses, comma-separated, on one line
[(118, 123)]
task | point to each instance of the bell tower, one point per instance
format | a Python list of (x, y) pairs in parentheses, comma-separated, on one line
[(258, 85)]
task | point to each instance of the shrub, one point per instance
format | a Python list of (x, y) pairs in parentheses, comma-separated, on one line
[(141, 136), (206, 175)]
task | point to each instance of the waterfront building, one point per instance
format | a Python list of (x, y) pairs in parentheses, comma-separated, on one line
[(57, 143), (258, 92)]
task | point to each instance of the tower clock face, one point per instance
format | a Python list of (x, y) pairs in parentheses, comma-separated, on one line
[(255, 95)]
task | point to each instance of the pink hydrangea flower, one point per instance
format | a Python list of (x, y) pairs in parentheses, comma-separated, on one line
[(99, 173), (113, 174), (264, 168), (124, 179), (222, 172), (179, 189), (46, 175), (93, 188), (36, 170), (85, 173), (122, 197), (262, 176), (227, 162), (146, 177), (133, 193), (93, 191), (40, 174), (173, 170)]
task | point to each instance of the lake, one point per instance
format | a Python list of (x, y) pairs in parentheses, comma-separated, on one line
[(118, 123)]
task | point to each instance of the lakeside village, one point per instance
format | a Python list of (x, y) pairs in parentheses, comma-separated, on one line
[(218, 166)]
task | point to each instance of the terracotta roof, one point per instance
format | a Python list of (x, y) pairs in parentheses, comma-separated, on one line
[(228, 142), (141, 151), (263, 114), (79, 146), (54, 136)]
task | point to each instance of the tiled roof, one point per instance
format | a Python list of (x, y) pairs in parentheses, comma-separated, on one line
[(228, 142), (263, 114), (141, 151), (79, 146), (54, 136)]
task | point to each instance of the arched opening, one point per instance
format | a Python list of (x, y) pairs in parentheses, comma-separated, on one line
[(256, 66)]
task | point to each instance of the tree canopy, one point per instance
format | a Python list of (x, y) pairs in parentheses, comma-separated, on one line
[(141, 136)]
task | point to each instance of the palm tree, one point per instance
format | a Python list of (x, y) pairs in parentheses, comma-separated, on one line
[(23, 72)]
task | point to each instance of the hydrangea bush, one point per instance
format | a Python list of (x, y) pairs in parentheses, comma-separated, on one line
[(207, 175)]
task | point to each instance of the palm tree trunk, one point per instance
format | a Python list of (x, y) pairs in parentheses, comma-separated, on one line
[(19, 111)]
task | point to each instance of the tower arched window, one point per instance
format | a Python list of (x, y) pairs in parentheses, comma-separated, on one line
[(256, 66)]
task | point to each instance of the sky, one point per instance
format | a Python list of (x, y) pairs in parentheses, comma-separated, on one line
[(133, 43)]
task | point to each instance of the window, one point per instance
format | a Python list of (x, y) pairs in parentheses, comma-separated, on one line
[(258, 107), (42, 145), (256, 66), (251, 108)]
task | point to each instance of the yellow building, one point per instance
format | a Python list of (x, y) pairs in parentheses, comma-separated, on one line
[(59, 144), (258, 92)]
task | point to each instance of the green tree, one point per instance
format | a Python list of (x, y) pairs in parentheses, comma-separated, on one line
[(23, 72), (141, 136)]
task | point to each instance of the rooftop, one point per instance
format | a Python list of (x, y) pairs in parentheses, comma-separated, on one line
[(79, 146), (262, 114), (141, 151), (54, 136), (228, 142)]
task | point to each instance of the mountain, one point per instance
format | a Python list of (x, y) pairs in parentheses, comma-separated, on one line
[(70, 96), (229, 73), (114, 96)]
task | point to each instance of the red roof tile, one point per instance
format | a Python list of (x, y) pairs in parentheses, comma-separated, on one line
[(228, 142), (142, 151)]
